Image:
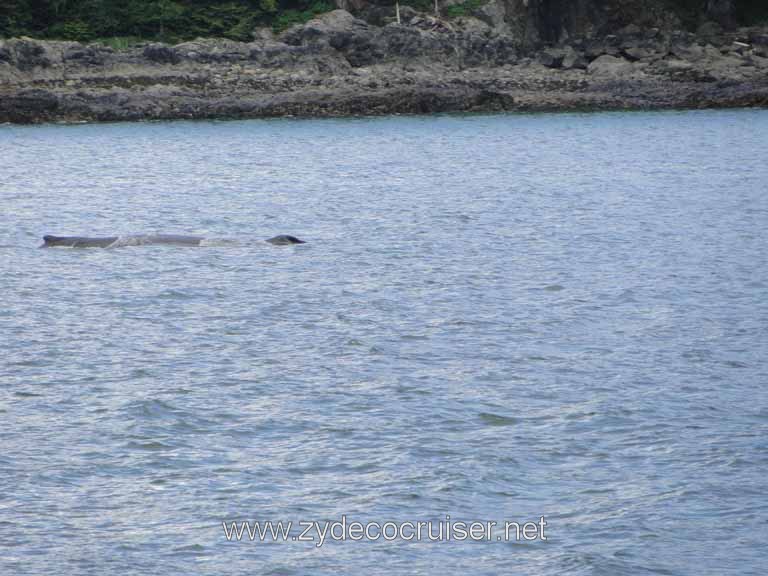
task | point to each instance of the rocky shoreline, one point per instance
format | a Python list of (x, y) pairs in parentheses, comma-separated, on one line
[(338, 65)]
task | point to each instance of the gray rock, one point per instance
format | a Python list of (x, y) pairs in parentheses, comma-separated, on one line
[(740, 47), (263, 35), (29, 104), (597, 47), (759, 38), (471, 25), (339, 65), (574, 60), (161, 53), (407, 13), (24, 53), (212, 50), (690, 52), (551, 58), (630, 30), (86, 55), (607, 65), (6, 55), (323, 28), (494, 14), (637, 53)]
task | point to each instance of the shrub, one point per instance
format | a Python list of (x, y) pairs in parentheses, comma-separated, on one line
[(464, 9), (75, 30)]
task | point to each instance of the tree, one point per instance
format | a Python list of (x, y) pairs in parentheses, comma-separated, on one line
[(721, 11)]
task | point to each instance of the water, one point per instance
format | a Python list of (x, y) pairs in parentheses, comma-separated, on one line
[(495, 318)]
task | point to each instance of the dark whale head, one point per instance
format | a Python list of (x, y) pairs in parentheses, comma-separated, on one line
[(284, 239), (51, 241)]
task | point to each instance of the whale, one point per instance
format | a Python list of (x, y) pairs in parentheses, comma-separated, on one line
[(50, 241)]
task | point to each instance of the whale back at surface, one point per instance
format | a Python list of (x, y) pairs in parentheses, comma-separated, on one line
[(118, 241), (284, 239), (143, 240), (78, 241)]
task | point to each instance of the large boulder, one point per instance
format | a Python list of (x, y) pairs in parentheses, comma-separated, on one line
[(493, 13), (688, 51), (161, 53), (573, 59), (609, 66), (567, 58), (91, 55), (759, 40), (551, 58), (323, 29), (24, 53), (29, 105)]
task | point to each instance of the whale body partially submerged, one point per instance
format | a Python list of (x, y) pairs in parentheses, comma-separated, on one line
[(50, 241)]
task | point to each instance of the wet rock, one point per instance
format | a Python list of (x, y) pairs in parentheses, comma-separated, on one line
[(551, 58), (24, 53), (5, 53), (85, 55), (161, 53), (31, 105)]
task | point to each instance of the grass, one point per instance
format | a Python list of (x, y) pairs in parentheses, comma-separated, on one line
[(120, 42)]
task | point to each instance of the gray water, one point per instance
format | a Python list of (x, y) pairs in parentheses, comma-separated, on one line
[(495, 318)]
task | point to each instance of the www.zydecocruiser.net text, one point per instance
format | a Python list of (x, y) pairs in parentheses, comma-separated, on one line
[(346, 530)]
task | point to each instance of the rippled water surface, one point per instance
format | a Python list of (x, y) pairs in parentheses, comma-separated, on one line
[(494, 318)]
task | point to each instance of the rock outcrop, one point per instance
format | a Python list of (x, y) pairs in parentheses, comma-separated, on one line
[(340, 65)]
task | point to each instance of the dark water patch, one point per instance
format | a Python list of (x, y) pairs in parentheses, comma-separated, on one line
[(497, 419)]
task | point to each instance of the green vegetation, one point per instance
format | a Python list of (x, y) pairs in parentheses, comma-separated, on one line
[(120, 42), (752, 12), (121, 22), (464, 9), (289, 17), (745, 12), (427, 6)]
